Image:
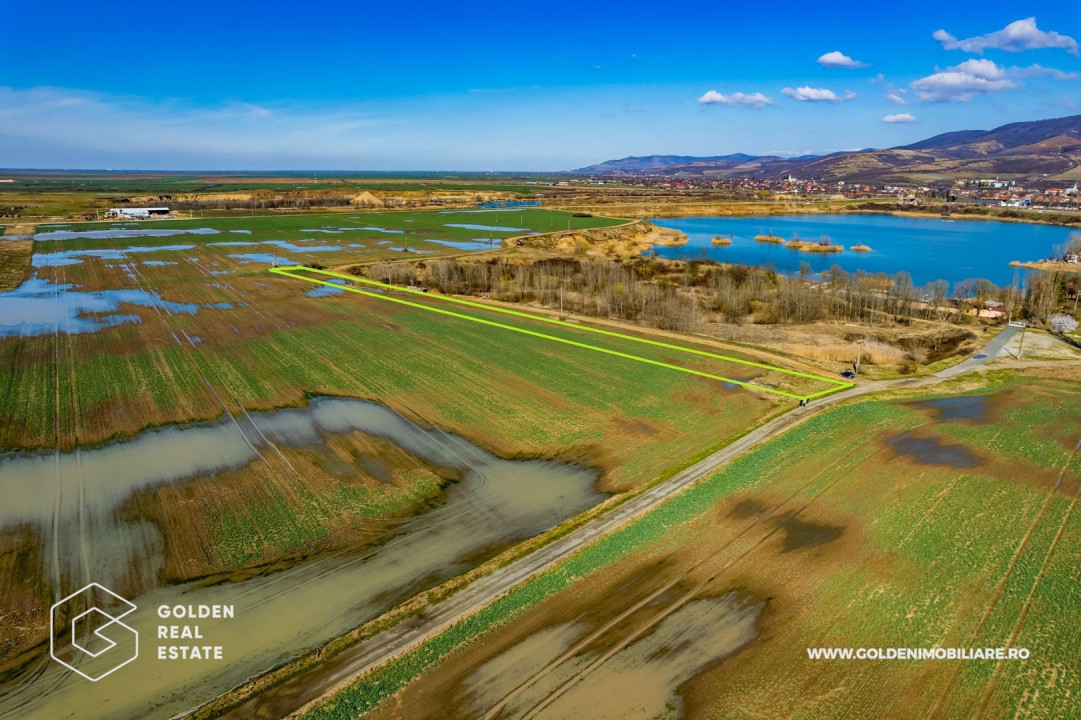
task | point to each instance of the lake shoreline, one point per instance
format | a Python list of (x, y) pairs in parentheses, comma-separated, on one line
[(927, 247), (816, 210)]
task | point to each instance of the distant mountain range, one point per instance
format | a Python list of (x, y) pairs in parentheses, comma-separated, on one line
[(1045, 150)]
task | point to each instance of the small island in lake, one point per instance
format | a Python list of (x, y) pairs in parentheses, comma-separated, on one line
[(822, 245)]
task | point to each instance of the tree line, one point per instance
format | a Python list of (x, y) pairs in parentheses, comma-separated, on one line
[(680, 295)]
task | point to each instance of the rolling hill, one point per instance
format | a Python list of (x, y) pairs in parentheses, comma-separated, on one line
[(1040, 150)]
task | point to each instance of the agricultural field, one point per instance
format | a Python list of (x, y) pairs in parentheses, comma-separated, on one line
[(944, 520), (177, 404), (14, 260), (47, 195)]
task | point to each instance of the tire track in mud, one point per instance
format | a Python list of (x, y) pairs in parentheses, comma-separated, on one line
[(76, 425), (940, 705), (938, 500), (286, 575), (29, 681), (57, 580), (596, 634), (242, 299), (688, 596), (924, 519), (1023, 615), (190, 350)]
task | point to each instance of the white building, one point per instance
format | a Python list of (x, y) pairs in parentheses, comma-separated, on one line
[(136, 213)]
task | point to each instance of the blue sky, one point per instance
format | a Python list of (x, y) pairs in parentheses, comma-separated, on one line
[(512, 86)]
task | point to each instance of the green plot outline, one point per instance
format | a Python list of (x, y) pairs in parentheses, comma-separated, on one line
[(291, 271)]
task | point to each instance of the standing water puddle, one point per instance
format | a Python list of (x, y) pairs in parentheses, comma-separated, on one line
[(39, 307), (643, 680), (964, 407), (74, 257), (493, 228), (933, 451), (120, 234)]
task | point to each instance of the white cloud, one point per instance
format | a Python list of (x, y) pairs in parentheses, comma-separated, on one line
[(900, 118), (877, 79), (1018, 36), (1041, 71), (118, 129), (896, 97), (810, 94), (838, 59), (753, 100), (961, 83)]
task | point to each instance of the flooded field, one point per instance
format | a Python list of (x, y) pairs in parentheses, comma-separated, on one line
[(40, 306), (642, 681), (495, 502), (900, 531), (183, 427)]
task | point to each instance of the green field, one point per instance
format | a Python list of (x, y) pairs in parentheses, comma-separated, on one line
[(51, 194), (151, 183), (414, 226), (828, 385), (925, 553)]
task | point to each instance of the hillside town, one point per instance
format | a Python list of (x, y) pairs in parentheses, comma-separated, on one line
[(981, 191)]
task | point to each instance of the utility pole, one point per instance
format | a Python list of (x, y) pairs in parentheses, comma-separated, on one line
[(1021, 344), (859, 355)]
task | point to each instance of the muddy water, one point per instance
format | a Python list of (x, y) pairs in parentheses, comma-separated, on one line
[(934, 451), (640, 681), (497, 502), (964, 407)]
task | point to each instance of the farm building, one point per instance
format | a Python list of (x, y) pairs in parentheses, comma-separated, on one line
[(136, 213)]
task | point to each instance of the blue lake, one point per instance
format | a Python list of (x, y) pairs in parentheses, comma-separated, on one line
[(927, 248), (510, 204)]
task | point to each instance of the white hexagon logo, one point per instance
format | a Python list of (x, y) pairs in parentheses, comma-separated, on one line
[(86, 635)]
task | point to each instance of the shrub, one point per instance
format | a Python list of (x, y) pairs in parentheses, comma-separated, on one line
[(1063, 324)]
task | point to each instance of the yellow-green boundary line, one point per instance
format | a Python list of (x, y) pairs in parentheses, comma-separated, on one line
[(291, 271)]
